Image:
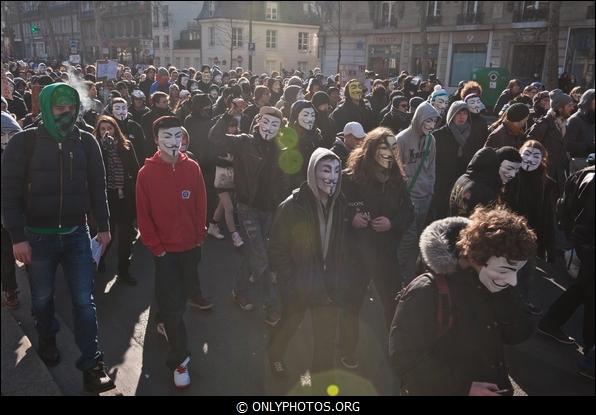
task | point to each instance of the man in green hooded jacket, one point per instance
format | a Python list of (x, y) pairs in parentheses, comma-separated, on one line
[(52, 177)]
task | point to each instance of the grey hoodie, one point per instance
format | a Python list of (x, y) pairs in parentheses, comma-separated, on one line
[(411, 144), (325, 215)]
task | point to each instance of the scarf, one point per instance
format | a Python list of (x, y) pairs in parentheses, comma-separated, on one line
[(461, 133), (559, 122), (114, 166)]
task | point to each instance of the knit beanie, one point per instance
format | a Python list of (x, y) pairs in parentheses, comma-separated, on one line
[(517, 112), (320, 98), (539, 96), (558, 99), (290, 93), (414, 102), (509, 153), (396, 101), (271, 111), (295, 80)]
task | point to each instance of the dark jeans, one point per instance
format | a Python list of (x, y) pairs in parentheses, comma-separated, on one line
[(408, 249), (324, 326), (176, 274), (385, 276), (9, 279), (581, 292), (254, 230), (121, 222), (73, 252)]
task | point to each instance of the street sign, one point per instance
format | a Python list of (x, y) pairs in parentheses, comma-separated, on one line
[(75, 59)]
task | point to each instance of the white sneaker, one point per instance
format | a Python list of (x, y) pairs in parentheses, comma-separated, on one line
[(237, 240), (181, 375), (214, 231)]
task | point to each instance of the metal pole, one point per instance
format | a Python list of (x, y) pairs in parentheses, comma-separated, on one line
[(250, 36)]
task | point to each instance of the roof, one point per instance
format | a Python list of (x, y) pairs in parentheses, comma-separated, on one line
[(288, 12)]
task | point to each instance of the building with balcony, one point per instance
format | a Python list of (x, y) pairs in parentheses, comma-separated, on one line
[(461, 35), (284, 34), (176, 34)]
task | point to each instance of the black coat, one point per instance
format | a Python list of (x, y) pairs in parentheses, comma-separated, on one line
[(502, 137), (249, 157), (546, 132), (327, 127), (295, 253), (147, 124), (340, 150), (135, 134), (347, 112), (308, 141), (137, 116), (533, 197), (504, 98), (450, 166), (480, 185), (66, 181), (199, 144), (17, 106), (472, 350), (580, 134), (396, 124)]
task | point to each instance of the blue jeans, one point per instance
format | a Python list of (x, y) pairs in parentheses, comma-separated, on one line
[(73, 252), (408, 250), (255, 225)]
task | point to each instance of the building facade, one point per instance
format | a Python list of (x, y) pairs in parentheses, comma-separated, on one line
[(284, 35), (461, 36), (176, 33)]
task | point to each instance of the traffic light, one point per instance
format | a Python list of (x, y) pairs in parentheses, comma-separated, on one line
[(34, 29)]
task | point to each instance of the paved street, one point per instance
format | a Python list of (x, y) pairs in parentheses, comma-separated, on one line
[(228, 344)]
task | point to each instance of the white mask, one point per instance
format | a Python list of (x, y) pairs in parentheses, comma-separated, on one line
[(440, 104), (327, 174), (531, 158), (500, 273), (120, 111), (217, 79), (475, 105), (184, 81), (428, 125), (508, 170), (306, 118), (213, 94), (300, 96), (269, 126), (169, 140), (385, 156), (206, 77)]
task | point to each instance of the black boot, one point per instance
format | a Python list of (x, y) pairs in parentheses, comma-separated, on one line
[(48, 351), (96, 380)]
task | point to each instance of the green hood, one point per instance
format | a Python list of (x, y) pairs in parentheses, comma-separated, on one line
[(58, 94)]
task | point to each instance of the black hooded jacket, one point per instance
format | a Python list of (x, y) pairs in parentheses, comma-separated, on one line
[(580, 128), (480, 185), (472, 349), (198, 124)]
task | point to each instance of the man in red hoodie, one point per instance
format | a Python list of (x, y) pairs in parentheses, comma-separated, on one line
[(171, 214)]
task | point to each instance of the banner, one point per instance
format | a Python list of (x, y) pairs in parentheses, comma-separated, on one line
[(106, 70)]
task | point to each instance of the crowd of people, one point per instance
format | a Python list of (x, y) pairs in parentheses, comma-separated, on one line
[(323, 186)]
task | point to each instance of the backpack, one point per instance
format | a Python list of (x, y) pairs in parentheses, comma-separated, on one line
[(444, 316), (568, 205)]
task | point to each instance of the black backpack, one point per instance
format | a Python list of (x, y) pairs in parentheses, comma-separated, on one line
[(568, 206)]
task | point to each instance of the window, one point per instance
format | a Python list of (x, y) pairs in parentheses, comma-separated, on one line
[(432, 52), (211, 5), (212, 36), (187, 62), (237, 37), (434, 8), (303, 41), (156, 42), (470, 7), (155, 16), (165, 21), (271, 39), (309, 7), (464, 60), (157, 61), (197, 62), (177, 62), (166, 41), (271, 11)]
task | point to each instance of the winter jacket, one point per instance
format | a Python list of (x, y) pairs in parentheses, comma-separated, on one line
[(411, 144), (66, 180), (472, 349), (504, 98), (502, 137), (340, 150), (130, 164), (546, 132), (480, 185), (575, 209), (249, 161), (347, 111), (396, 123), (17, 106), (304, 274), (137, 116), (145, 86), (135, 134), (171, 205), (580, 128), (327, 127), (248, 116), (198, 129), (450, 164)]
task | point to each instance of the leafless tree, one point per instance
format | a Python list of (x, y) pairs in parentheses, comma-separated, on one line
[(552, 48)]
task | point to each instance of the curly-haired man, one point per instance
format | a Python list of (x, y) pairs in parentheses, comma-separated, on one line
[(451, 324)]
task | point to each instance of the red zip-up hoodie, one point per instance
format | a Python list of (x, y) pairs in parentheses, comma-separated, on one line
[(171, 205)]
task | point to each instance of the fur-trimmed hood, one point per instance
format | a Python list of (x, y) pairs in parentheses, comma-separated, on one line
[(437, 244)]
